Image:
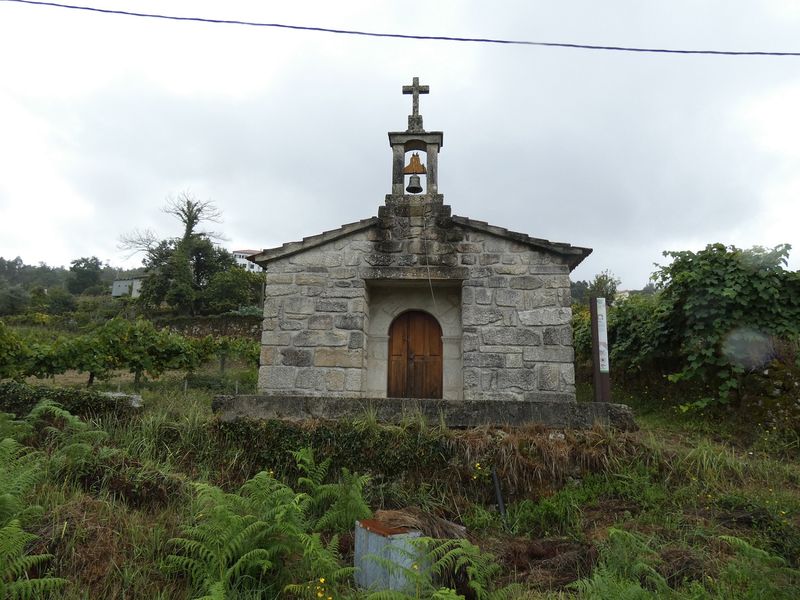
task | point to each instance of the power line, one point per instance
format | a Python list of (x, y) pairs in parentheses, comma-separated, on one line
[(403, 36)]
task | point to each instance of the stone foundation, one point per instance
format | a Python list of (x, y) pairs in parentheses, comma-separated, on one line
[(559, 413)]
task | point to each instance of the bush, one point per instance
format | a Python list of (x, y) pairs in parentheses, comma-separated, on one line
[(20, 398)]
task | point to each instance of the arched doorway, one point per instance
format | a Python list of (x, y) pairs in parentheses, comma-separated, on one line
[(415, 356)]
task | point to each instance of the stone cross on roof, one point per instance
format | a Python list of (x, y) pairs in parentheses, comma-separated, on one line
[(415, 89)]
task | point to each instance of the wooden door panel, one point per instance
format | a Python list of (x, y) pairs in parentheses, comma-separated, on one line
[(415, 357)]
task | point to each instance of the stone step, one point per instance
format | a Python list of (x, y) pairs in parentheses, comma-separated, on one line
[(559, 414)]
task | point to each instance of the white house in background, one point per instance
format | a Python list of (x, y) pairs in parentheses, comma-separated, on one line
[(241, 260), (127, 287)]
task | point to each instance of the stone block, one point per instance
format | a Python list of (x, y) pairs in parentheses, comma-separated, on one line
[(349, 321), (483, 359), (328, 305), (267, 356), (338, 292), (469, 342), (356, 340), (310, 379), (310, 279), (493, 244), (557, 281), (562, 354), (290, 325), (497, 281), (514, 361), (279, 278), (510, 336), (478, 282), (320, 258), (488, 380), (469, 247), (468, 296), (278, 378), (275, 338), (548, 378), (504, 297), (334, 380), (296, 358), (358, 305), (338, 357), (344, 273), (545, 316), (319, 338), (472, 379), (511, 269), (268, 324), (320, 322), (271, 291), (352, 380), (489, 259), (379, 260), (468, 259), (299, 305), (567, 375), (564, 297), (539, 298), (554, 336), (526, 282), (482, 296), (477, 315), (271, 307), (524, 379), (389, 246)]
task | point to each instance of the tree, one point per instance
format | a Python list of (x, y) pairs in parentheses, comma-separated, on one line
[(604, 285), (179, 269), (85, 273), (12, 353), (232, 289), (578, 290), (722, 308), (179, 273), (13, 299), (60, 301)]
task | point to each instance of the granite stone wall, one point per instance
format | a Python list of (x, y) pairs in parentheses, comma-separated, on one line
[(515, 335), (315, 313)]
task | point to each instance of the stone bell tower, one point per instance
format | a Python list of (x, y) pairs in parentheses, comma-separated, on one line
[(415, 139)]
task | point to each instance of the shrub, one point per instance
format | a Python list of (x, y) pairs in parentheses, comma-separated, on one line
[(20, 398)]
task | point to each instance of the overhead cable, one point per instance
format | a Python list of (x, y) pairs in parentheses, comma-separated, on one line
[(405, 36)]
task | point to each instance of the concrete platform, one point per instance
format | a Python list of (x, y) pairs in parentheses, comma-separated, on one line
[(456, 413)]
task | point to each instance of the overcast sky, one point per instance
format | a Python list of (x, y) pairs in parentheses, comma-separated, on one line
[(103, 117)]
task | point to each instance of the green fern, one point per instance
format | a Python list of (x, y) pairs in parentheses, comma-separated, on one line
[(333, 507), (348, 505), (20, 470), (255, 542), (16, 566), (432, 562)]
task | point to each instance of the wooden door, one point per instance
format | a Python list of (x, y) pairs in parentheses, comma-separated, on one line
[(415, 356)]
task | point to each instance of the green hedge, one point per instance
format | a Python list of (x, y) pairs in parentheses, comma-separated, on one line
[(20, 398)]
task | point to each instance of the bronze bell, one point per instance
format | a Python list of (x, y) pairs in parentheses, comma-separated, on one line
[(415, 168), (414, 186)]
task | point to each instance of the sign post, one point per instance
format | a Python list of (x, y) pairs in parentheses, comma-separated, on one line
[(601, 366)]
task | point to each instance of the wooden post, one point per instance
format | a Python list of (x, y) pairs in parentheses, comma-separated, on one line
[(600, 365)]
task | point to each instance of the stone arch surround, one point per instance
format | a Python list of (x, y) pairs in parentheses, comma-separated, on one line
[(386, 302)]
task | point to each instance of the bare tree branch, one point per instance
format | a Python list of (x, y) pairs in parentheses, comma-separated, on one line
[(192, 212), (137, 241)]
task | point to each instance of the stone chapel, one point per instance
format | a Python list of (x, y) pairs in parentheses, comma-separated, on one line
[(417, 302)]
